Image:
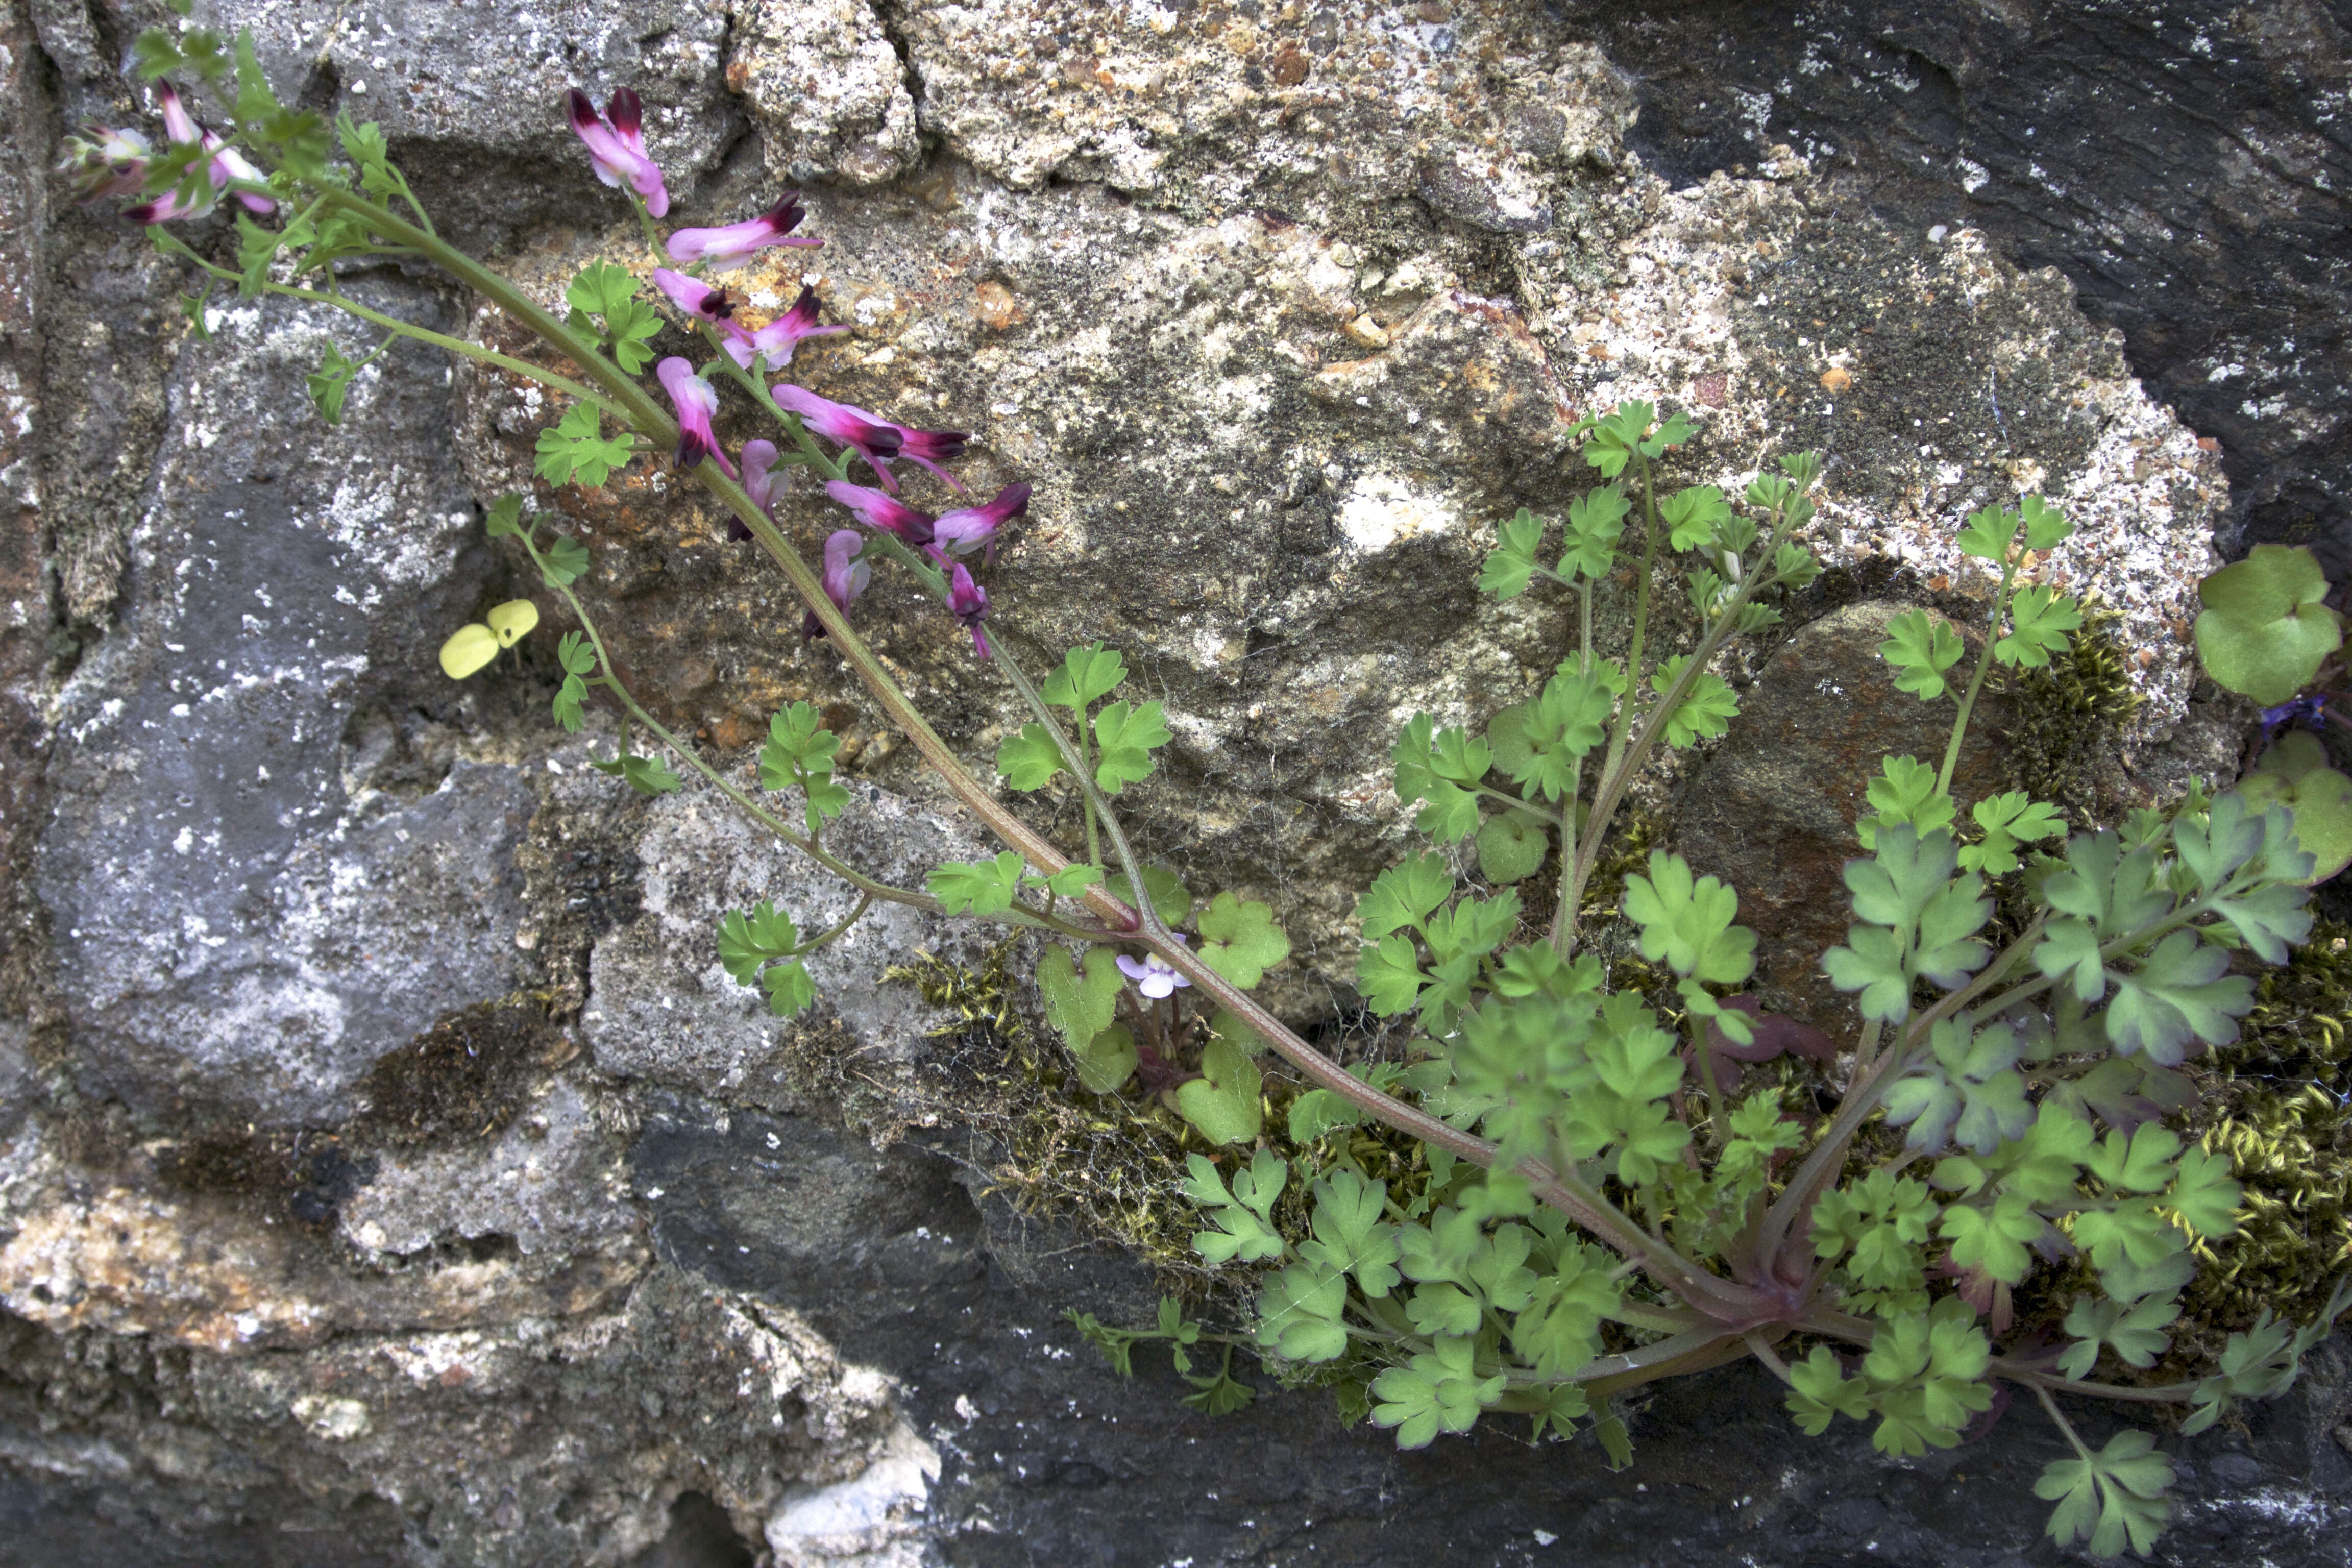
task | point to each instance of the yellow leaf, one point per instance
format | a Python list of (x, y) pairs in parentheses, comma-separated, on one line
[(473, 647), (510, 620)]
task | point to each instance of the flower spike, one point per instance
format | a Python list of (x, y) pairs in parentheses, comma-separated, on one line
[(846, 576), (971, 528), (228, 164), (733, 247), (875, 440), (776, 340), (696, 402), (883, 513), (968, 602), (616, 145)]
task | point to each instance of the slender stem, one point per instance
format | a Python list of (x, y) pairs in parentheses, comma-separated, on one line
[(1585, 623), (1085, 769), (2064, 1426), (1620, 771), (1976, 682), (456, 345), (1761, 1349), (865, 901), (1631, 708)]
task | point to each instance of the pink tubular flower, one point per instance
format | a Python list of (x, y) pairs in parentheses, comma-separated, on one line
[(693, 296), (971, 527), (228, 164), (876, 441), (104, 162), (616, 145), (883, 513), (968, 602), (776, 341), (696, 402), (1153, 976), (928, 447), (733, 246), (846, 576), (759, 457)]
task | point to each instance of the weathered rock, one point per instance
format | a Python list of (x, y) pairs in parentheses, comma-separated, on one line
[(1772, 811), (231, 928), (2180, 167), (400, 1180)]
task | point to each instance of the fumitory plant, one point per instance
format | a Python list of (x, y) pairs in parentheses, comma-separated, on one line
[(1612, 1185)]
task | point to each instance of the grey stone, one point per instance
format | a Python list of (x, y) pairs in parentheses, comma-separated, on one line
[(228, 929), (471, 94), (1280, 312)]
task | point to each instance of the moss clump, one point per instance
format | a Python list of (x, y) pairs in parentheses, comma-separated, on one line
[(2069, 716), (2277, 1105)]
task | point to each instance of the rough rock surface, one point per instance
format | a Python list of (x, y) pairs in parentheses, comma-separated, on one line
[(388, 1173), (2185, 166)]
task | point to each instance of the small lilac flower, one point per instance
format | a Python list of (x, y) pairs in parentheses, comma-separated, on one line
[(733, 246), (104, 162), (846, 576), (875, 440), (1154, 976), (696, 402), (883, 513), (970, 527), (968, 602), (693, 296), (776, 341), (616, 145), (759, 457)]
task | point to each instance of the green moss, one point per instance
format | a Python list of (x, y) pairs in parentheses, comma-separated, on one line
[(2277, 1105), (2069, 717)]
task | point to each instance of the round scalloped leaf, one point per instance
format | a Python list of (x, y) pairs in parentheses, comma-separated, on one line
[(2264, 631), (1512, 847), (2294, 774), (1223, 1103)]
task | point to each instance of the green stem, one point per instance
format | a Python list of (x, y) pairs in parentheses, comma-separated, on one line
[(540, 373), (1619, 772), (864, 902), (1975, 683)]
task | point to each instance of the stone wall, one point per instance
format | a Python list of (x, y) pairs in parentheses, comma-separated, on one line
[(392, 1174)]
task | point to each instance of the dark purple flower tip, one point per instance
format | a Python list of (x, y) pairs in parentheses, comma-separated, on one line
[(616, 145), (693, 296), (695, 403), (875, 440), (930, 448), (968, 602), (971, 528), (626, 112), (736, 530)]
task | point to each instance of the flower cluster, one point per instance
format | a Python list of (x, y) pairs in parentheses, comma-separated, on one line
[(617, 146), (107, 161)]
